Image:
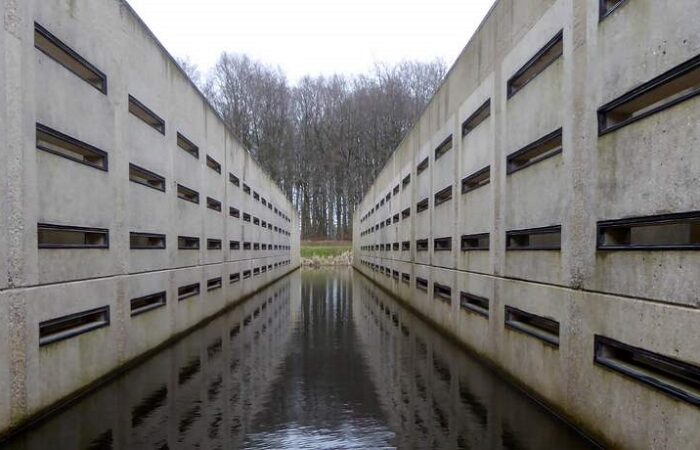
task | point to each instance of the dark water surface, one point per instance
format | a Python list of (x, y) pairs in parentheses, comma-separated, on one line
[(321, 359)]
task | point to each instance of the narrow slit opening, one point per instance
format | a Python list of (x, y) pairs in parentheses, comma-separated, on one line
[(543, 328), (72, 325), (145, 177), (480, 115), (60, 144), (55, 49), (187, 243), (187, 145), (146, 241), (476, 180), (538, 151), (146, 115), (71, 237)]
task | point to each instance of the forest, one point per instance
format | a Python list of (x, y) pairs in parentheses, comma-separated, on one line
[(324, 139)]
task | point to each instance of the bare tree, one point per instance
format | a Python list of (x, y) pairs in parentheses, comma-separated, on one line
[(325, 139)]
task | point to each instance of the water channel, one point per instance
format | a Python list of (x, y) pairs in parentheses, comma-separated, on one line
[(321, 360)]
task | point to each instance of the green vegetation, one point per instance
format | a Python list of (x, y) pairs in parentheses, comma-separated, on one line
[(324, 249)]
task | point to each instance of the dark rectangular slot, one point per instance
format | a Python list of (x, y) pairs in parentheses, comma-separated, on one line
[(187, 243), (246, 189), (396, 190), (246, 246), (607, 7), (406, 181), (234, 245), (664, 232), (187, 145), (475, 242), (668, 89), (246, 217), (546, 238), (213, 164), (395, 219), (422, 205), (405, 277), (395, 246), (145, 177), (60, 144), (388, 222), (443, 196), (422, 166), (541, 149), (72, 325), (256, 196), (395, 274), (147, 303), (55, 49), (537, 64), (234, 179), (442, 244), (256, 271), (444, 147), (234, 212), (187, 194), (263, 201), (422, 284), (474, 303), (213, 204), (256, 221), (263, 269), (61, 236), (422, 245), (671, 376), (188, 291), (256, 246), (146, 241), (388, 197), (406, 246), (442, 292), (473, 121), (146, 115), (543, 328), (213, 284), (476, 180), (246, 274), (213, 244)]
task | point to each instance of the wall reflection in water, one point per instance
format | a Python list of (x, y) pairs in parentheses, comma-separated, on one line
[(436, 395), (320, 359), (203, 392)]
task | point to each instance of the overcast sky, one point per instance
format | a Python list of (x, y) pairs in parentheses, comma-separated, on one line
[(314, 36)]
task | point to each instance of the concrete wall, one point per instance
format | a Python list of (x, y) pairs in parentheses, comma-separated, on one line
[(644, 298), (40, 284), (221, 370)]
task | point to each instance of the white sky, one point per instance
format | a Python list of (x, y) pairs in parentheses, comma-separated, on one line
[(314, 36)]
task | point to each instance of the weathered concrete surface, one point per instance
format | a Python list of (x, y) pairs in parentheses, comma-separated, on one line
[(647, 299), (40, 187)]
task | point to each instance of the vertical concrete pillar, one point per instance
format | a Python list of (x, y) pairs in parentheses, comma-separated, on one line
[(579, 143), (19, 191)]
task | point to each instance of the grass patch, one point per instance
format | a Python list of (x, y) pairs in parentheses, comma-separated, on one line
[(323, 251)]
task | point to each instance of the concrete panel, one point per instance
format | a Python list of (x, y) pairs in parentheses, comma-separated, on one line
[(40, 187), (647, 168)]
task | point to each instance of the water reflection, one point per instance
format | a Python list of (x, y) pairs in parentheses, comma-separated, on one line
[(321, 359), (437, 396)]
